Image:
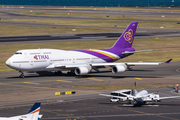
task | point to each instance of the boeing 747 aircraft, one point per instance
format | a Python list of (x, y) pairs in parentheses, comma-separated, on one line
[(33, 114), (79, 62)]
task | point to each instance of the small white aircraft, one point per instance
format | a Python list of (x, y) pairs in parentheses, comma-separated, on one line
[(134, 97), (79, 62), (33, 114)]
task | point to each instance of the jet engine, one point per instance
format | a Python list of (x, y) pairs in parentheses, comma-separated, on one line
[(83, 70), (119, 68)]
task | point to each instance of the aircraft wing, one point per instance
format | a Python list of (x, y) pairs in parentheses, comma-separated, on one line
[(112, 96), (56, 65), (130, 63), (168, 97)]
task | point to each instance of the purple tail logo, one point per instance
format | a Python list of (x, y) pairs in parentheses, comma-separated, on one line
[(128, 36)]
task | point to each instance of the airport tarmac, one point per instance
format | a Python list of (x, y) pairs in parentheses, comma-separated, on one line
[(17, 94), (8, 13), (11, 13), (38, 87), (142, 33), (97, 107)]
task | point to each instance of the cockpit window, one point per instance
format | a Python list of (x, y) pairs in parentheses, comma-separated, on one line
[(18, 53)]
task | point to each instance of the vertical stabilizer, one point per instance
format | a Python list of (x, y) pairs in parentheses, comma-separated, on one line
[(33, 114), (126, 39)]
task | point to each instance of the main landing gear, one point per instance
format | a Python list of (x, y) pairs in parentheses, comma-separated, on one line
[(71, 73), (22, 74), (58, 73)]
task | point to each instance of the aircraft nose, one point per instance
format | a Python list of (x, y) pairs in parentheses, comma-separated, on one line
[(8, 62)]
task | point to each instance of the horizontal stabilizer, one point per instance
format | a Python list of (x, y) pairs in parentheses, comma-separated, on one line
[(168, 61), (169, 97), (112, 96), (106, 95), (131, 52)]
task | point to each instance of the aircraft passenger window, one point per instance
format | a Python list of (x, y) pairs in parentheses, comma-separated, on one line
[(18, 53)]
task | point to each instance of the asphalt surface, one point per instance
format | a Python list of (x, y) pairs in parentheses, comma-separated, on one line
[(101, 108), (33, 87), (7, 13), (84, 37)]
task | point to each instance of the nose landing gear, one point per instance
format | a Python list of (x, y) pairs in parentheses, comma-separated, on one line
[(22, 74)]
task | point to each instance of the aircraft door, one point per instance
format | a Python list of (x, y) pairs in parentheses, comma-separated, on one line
[(31, 59), (73, 60)]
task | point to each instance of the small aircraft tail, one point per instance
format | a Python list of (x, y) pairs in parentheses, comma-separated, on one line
[(33, 114), (126, 39), (134, 91)]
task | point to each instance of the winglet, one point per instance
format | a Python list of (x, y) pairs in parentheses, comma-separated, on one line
[(168, 61)]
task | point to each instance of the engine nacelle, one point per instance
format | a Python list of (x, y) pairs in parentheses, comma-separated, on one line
[(119, 68), (82, 70)]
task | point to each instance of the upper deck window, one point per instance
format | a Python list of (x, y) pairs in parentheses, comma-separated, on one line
[(18, 53)]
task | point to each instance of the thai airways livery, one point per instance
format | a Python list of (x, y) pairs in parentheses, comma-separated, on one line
[(33, 114), (79, 62)]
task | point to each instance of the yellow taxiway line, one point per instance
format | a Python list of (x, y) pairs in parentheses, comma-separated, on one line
[(138, 78), (30, 83), (64, 81), (152, 114), (95, 79)]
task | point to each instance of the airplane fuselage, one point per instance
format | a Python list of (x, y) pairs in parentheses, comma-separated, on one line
[(42, 59)]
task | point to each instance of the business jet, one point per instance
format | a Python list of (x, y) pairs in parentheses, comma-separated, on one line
[(33, 114), (79, 62), (132, 96)]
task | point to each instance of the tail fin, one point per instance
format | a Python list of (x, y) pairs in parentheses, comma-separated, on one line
[(134, 91), (33, 114), (126, 39)]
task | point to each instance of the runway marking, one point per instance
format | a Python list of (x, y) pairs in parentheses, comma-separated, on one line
[(140, 112), (49, 111), (32, 87), (95, 79), (152, 105), (138, 78), (48, 88), (129, 105), (177, 70), (64, 81), (117, 107), (31, 83), (41, 81), (119, 115), (166, 117), (153, 114)]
